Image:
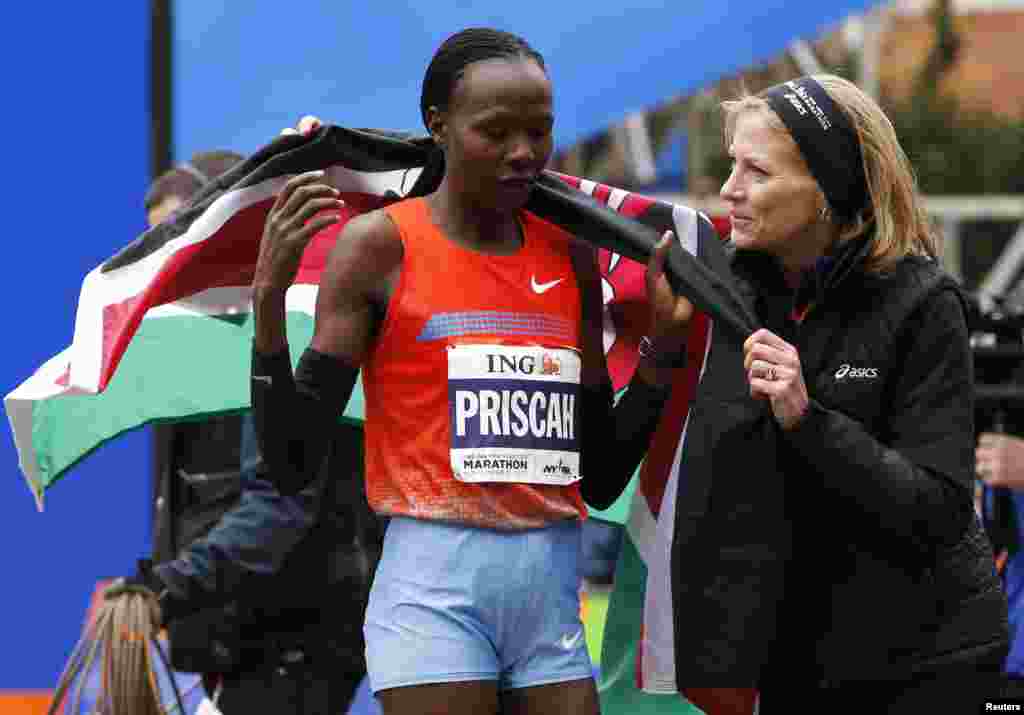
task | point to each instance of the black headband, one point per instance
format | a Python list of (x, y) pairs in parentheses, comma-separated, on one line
[(826, 139)]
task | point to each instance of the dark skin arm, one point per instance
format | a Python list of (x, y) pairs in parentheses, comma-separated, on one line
[(615, 438), (355, 285), (588, 278), (670, 314), (295, 414), (305, 206)]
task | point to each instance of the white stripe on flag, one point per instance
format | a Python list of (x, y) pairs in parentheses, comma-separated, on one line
[(226, 300), (301, 298), (685, 220), (234, 300), (19, 405), (615, 198), (658, 647), (658, 668), (658, 664), (376, 183), (641, 527)]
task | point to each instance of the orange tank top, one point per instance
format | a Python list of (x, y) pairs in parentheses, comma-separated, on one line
[(472, 387)]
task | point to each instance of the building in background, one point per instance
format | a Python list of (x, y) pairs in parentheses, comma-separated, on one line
[(671, 147), (986, 74)]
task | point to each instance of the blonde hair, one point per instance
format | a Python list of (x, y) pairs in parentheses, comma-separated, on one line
[(118, 649), (895, 218)]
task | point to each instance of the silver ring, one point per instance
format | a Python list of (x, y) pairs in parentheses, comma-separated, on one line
[(770, 375)]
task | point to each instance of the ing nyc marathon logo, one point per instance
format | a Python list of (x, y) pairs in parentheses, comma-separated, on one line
[(525, 365), (509, 395)]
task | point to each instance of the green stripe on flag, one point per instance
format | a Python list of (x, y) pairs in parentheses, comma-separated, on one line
[(617, 685), (167, 373), (618, 512)]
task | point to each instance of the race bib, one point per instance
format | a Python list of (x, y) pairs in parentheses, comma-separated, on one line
[(513, 414)]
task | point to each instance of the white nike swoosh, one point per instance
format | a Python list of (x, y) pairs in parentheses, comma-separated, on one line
[(569, 642), (264, 378), (539, 288)]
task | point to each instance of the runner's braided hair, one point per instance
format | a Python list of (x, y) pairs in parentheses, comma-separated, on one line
[(462, 49), (121, 642)]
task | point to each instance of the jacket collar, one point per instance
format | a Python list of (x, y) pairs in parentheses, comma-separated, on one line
[(825, 276)]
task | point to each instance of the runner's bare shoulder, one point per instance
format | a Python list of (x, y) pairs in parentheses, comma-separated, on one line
[(368, 250)]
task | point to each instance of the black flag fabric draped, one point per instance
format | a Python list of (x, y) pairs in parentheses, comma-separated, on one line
[(704, 281)]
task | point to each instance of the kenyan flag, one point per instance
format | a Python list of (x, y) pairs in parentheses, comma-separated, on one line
[(147, 348)]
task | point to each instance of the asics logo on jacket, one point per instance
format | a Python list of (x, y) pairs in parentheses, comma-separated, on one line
[(847, 371)]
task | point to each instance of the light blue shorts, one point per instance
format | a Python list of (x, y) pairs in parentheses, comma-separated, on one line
[(454, 603)]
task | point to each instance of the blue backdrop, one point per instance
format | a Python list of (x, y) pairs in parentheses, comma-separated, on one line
[(75, 146), (241, 77)]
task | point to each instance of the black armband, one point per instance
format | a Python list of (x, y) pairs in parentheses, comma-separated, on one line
[(595, 422), (295, 416), (271, 386), (272, 391), (325, 378), (596, 400), (639, 409), (616, 440), (265, 368)]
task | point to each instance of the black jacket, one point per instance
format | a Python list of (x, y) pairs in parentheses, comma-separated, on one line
[(852, 540)]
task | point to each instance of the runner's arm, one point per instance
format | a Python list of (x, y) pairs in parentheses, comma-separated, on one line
[(615, 436), (294, 414)]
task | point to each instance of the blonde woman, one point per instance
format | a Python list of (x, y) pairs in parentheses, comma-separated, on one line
[(875, 568)]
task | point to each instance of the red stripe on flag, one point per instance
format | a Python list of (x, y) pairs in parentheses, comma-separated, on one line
[(662, 451), (640, 657), (722, 225), (722, 701), (573, 181), (314, 260), (120, 321), (225, 258), (628, 310), (634, 205), (602, 192)]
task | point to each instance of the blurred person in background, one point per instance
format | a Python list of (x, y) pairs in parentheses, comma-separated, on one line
[(1000, 466), (600, 546), (174, 187)]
